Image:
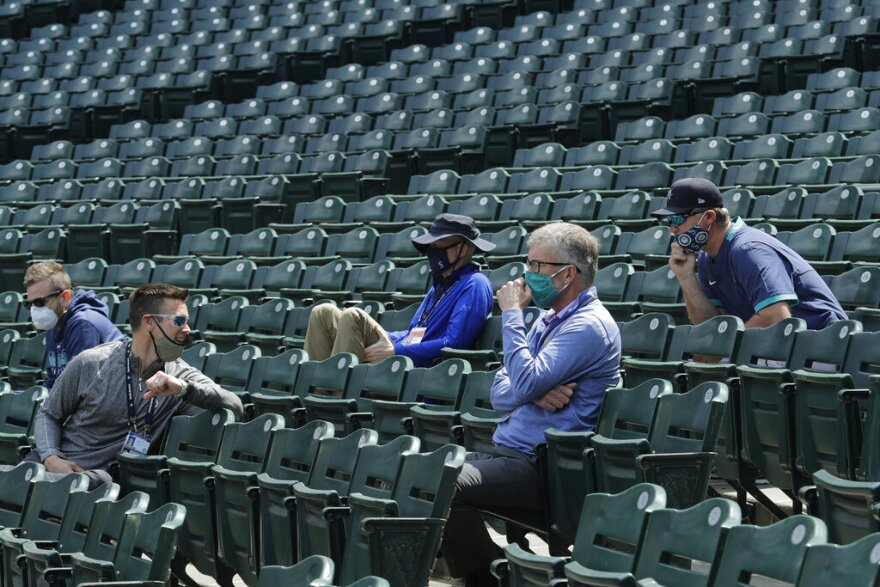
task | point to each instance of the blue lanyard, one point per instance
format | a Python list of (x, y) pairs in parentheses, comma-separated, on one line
[(437, 298), (132, 410)]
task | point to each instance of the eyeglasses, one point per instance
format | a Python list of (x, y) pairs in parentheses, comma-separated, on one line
[(40, 302), (179, 320), (535, 266), (677, 220)]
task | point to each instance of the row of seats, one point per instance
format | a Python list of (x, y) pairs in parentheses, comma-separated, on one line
[(101, 535), (60, 160), (702, 545), (292, 474)]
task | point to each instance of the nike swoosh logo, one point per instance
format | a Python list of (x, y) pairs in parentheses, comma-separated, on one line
[(712, 282)]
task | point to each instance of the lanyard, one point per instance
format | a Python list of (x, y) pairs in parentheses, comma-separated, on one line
[(426, 313), (584, 299), (132, 411)]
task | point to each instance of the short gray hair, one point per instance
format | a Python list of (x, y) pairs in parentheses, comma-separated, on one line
[(572, 243)]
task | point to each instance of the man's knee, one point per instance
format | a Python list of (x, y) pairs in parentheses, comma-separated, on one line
[(353, 319), (322, 312)]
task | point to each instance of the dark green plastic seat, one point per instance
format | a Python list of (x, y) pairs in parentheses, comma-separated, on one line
[(398, 538), (717, 337), (285, 468), (41, 520), (626, 414), (850, 509), (236, 470), (608, 531), (383, 380), (192, 485), (854, 565), (775, 552), (17, 411), (682, 433), (104, 531), (315, 570), (757, 347), (321, 530), (144, 552), (767, 415), (270, 386), (232, 370), (431, 388), (70, 537), (189, 438), (478, 419), (675, 539)]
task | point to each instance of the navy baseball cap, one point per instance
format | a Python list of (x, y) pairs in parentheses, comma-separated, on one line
[(446, 225), (689, 194)]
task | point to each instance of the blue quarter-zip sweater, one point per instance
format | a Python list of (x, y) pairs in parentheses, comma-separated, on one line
[(452, 318)]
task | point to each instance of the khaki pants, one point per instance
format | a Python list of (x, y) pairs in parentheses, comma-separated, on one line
[(333, 331)]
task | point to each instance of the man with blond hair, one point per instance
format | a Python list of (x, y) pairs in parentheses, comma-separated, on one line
[(73, 321)]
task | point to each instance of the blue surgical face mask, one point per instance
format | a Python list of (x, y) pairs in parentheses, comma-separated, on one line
[(543, 291), (694, 238)]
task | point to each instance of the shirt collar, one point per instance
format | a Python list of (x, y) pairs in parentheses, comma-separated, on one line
[(552, 318), (454, 276), (734, 227)]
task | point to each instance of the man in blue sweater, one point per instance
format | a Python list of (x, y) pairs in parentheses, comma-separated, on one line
[(73, 321), (451, 315), (555, 375)]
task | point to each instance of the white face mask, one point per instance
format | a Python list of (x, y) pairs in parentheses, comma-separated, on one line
[(43, 318)]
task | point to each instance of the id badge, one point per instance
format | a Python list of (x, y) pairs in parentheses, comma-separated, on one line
[(415, 336), (135, 443)]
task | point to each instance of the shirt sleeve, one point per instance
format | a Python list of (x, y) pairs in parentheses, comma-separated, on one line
[(467, 320), (563, 359), (54, 411), (764, 277)]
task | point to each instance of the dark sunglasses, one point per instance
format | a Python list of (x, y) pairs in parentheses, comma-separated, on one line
[(40, 302), (178, 320), (677, 220)]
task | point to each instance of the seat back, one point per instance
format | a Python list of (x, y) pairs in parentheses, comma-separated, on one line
[(314, 570), (684, 536), (611, 525), (775, 552), (148, 544), (831, 564), (424, 491), (689, 422), (245, 444)]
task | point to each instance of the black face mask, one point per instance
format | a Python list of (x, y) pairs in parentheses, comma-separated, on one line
[(439, 261), (167, 349)]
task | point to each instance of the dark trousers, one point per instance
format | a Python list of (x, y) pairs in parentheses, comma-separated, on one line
[(506, 478)]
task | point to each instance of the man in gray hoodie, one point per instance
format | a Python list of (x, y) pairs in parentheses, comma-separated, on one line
[(121, 395)]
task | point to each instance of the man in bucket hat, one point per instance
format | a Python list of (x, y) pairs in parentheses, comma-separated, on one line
[(451, 315), (727, 267)]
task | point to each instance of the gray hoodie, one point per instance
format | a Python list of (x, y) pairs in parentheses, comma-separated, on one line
[(85, 418)]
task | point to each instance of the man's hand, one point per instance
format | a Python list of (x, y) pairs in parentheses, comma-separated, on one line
[(682, 264), (557, 398), (381, 349), (514, 294), (162, 385), (55, 464)]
